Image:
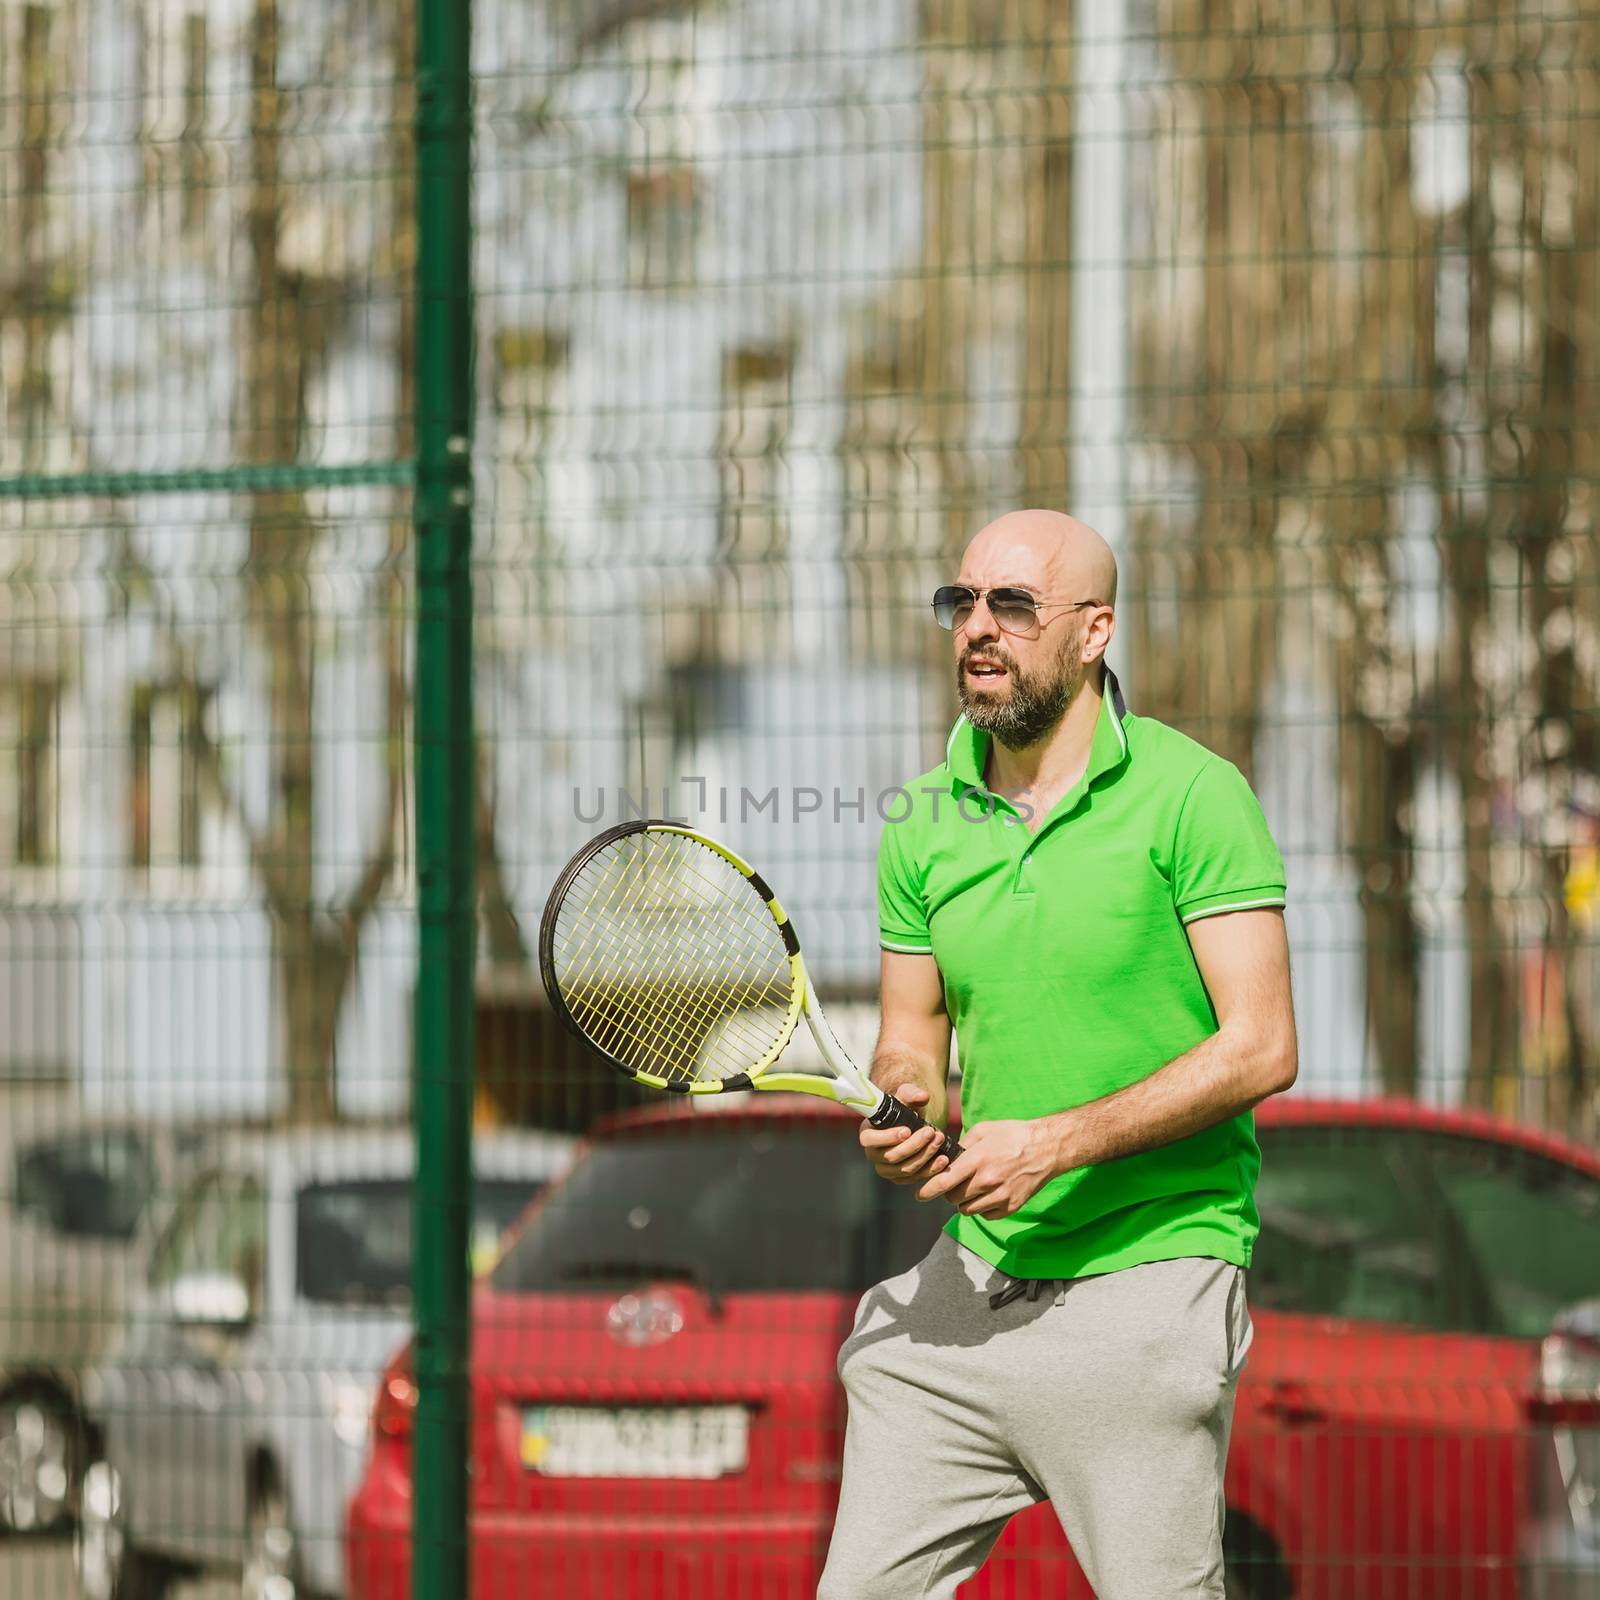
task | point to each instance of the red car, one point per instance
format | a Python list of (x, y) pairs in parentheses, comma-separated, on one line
[(656, 1411)]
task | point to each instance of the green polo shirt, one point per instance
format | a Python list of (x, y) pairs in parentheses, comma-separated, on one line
[(1068, 974)]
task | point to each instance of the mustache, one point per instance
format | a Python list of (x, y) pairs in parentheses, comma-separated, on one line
[(999, 658)]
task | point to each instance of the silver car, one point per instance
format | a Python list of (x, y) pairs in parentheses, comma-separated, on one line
[(78, 1200), (234, 1405)]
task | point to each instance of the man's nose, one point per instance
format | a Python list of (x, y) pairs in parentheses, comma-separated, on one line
[(980, 624)]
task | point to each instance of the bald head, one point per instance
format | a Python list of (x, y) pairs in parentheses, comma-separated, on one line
[(1046, 552)]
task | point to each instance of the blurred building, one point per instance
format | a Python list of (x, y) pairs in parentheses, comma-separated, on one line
[(680, 564), (776, 304)]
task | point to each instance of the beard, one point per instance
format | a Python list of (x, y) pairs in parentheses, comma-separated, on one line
[(1036, 703)]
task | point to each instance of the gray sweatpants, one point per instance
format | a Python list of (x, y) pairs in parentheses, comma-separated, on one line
[(1109, 1396)]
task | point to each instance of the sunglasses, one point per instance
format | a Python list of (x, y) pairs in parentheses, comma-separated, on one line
[(1014, 610)]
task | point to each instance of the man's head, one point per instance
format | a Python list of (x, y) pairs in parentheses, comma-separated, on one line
[(1016, 681)]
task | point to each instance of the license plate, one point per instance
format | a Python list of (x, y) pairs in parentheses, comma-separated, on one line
[(635, 1441)]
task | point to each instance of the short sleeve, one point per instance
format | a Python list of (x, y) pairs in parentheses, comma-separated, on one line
[(1223, 857), (902, 915)]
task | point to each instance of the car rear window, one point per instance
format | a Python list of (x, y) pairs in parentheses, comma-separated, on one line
[(732, 1207), (1532, 1224), (1345, 1234), (353, 1238)]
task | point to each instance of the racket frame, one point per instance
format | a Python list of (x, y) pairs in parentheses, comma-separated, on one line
[(849, 1086)]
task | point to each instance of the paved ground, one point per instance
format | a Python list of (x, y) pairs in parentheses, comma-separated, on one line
[(42, 1570)]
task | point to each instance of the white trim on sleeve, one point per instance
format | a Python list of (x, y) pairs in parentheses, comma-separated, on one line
[(1236, 905), (907, 949)]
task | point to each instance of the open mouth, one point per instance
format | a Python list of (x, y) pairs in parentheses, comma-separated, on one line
[(985, 671)]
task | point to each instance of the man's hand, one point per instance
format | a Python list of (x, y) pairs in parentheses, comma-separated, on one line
[(1002, 1166), (902, 1155)]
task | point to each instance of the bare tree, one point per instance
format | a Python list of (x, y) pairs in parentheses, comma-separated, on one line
[(291, 319), (1303, 370), (1046, 33), (1284, 396), (1374, 378), (1214, 401), (1535, 359)]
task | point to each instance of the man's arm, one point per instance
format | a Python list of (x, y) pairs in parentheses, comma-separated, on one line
[(1243, 957), (912, 1062)]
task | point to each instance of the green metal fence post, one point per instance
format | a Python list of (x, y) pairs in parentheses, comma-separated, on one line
[(443, 1040)]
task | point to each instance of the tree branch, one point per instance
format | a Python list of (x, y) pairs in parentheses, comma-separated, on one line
[(507, 946), (263, 861), (380, 863)]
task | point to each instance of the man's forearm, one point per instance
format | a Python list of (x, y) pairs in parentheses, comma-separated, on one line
[(1216, 1080), (895, 1065)]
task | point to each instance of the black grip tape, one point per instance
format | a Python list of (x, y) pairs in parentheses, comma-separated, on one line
[(893, 1114)]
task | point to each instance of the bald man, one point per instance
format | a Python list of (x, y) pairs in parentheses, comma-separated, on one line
[(1094, 903)]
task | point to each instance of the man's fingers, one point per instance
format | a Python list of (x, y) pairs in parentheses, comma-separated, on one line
[(905, 1155), (914, 1147), (946, 1182), (900, 1144), (911, 1146), (922, 1163), (914, 1172), (900, 1176), (881, 1138)]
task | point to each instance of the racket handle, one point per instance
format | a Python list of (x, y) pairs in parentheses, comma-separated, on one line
[(893, 1114)]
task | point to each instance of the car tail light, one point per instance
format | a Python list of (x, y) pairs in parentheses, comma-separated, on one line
[(395, 1409), (1568, 1402)]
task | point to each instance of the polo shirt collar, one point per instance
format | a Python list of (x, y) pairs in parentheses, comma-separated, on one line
[(967, 751)]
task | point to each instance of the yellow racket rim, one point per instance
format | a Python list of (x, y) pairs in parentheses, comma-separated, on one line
[(677, 966)]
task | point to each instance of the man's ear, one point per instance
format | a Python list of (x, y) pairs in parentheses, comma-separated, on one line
[(1098, 635)]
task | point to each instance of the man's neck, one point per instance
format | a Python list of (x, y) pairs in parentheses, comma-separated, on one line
[(1050, 766)]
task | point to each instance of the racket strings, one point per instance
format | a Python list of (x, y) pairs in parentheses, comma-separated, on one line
[(684, 994), (614, 1010), (670, 1039), (612, 1014), (667, 959), (685, 1011), (662, 1023), (679, 1012)]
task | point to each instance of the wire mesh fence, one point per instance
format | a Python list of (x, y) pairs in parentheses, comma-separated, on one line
[(775, 306)]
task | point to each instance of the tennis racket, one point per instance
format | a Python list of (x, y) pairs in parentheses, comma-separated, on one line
[(672, 960)]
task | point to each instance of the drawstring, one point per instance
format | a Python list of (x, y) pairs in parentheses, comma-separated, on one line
[(1031, 1287)]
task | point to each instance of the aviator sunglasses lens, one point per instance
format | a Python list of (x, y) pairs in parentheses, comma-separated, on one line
[(1014, 610), (951, 606)]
